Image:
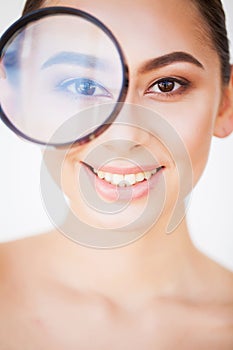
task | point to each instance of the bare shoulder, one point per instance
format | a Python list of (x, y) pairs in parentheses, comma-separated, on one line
[(204, 304), (212, 306), (33, 250), (19, 258), (218, 279), (27, 245), (193, 325)]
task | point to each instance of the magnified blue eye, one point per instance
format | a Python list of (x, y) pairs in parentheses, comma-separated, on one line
[(83, 86)]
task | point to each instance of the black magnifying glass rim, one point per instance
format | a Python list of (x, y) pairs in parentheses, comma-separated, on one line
[(61, 10)]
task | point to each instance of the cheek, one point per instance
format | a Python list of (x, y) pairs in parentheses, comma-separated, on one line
[(70, 170), (192, 121), (68, 179), (197, 134), (70, 174)]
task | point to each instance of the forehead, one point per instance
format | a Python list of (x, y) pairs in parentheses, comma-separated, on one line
[(148, 28)]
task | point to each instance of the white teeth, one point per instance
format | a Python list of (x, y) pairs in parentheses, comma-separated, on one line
[(130, 179), (117, 179), (147, 175), (124, 180), (100, 174), (140, 177), (108, 177)]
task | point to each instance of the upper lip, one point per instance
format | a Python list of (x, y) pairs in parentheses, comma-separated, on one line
[(124, 170)]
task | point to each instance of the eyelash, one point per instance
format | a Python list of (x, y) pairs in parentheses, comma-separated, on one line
[(184, 85), (72, 85)]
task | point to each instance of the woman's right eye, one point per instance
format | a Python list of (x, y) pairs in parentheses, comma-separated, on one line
[(83, 87)]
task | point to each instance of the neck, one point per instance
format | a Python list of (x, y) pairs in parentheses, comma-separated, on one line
[(153, 265)]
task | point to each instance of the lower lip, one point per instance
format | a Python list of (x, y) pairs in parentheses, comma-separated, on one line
[(112, 193)]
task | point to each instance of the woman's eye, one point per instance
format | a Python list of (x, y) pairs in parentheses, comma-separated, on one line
[(85, 87), (167, 86)]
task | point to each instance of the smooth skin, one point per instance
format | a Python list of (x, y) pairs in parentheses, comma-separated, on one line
[(159, 292)]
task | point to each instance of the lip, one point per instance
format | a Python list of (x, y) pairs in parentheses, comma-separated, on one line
[(121, 168), (113, 193)]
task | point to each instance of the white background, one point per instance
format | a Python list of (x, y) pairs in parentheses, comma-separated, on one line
[(21, 211)]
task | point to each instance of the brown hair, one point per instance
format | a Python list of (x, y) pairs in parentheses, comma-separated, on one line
[(32, 5), (214, 17)]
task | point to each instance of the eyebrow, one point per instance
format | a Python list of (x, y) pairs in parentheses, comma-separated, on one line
[(75, 59), (168, 59)]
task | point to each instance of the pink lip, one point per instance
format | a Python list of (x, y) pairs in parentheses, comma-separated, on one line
[(113, 193)]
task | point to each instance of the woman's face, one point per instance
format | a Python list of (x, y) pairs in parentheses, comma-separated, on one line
[(174, 74)]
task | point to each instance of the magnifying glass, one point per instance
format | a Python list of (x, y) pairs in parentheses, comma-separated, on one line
[(58, 64)]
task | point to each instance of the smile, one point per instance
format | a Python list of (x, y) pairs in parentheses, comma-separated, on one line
[(125, 180), (110, 182)]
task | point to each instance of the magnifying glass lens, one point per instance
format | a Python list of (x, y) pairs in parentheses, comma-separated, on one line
[(57, 67)]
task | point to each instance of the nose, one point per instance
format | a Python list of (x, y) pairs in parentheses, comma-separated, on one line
[(128, 129)]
